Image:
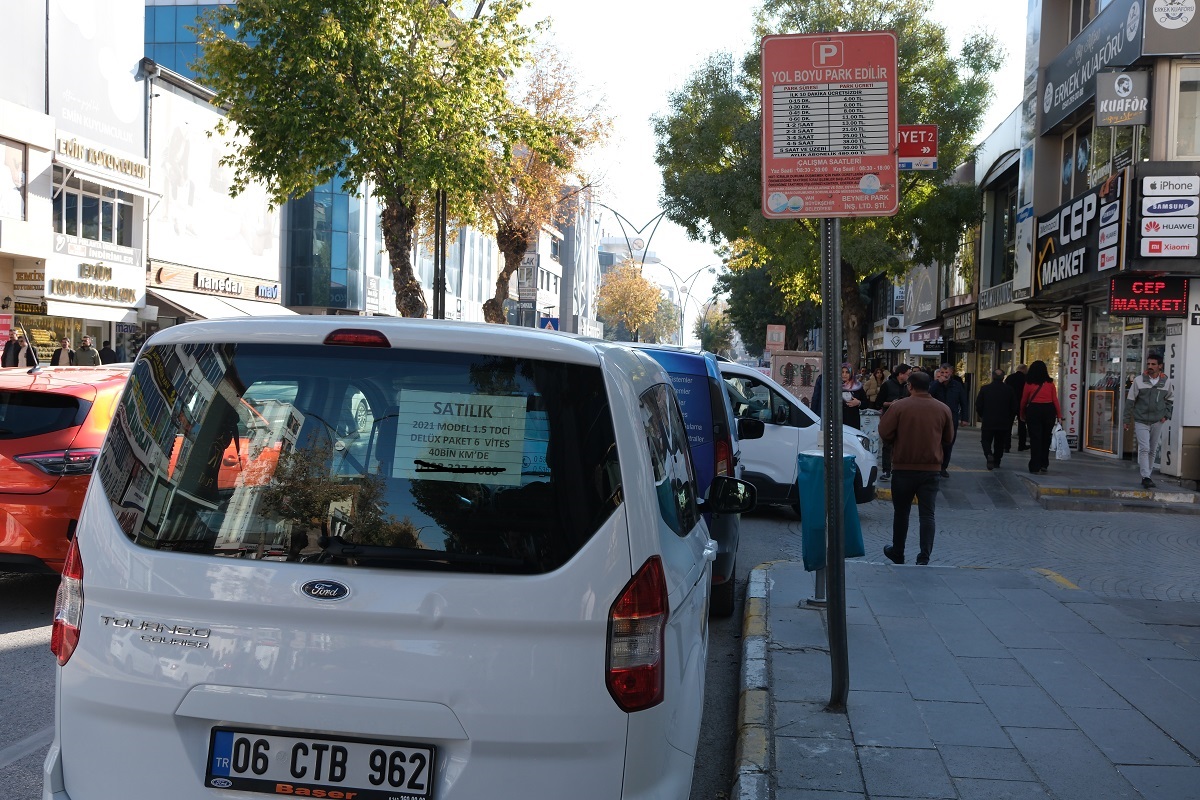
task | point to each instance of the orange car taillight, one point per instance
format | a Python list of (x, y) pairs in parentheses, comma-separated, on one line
[(723, 457), (63, 462), (637, 623), (68, 607)]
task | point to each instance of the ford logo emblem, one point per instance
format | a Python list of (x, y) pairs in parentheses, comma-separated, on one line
[(326, 590), (220, 783)]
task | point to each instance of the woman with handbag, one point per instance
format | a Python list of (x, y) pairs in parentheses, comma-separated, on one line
[(1040, 410)]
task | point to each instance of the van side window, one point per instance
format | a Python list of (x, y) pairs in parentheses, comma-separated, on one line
[(670, 458), (754, 399)]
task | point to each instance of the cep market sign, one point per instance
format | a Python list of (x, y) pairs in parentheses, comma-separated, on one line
[(1082, 237)]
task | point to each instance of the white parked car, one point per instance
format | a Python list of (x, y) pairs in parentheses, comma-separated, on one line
[(791, 428), (469, 562)]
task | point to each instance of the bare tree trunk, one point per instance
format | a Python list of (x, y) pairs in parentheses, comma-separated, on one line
[(399, 221), (513, 244), (854, 314)]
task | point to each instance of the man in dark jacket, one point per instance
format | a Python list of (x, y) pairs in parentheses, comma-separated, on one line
[(1016, 382), (893, 389), (996, 407), (18, 353), (107, 354), (950, 390), (919, 429)]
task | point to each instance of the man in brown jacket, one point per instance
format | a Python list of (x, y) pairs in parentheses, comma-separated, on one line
[(917, 427)]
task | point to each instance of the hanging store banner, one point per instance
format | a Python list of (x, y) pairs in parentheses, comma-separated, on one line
[(1122, 98), (1112, 39)]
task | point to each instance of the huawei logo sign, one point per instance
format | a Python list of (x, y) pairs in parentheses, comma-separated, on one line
[(1151, 227)]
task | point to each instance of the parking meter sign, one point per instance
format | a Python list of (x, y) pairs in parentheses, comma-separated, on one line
[(829, 125)]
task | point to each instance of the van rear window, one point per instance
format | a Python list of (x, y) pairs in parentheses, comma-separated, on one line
[(380, 458)]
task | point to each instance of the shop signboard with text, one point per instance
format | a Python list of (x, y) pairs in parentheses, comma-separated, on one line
[(829, 125), (1080, 238), (1073, 396), (1168, 216)]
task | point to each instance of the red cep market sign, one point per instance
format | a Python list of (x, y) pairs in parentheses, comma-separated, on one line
[(1148, 296), (829, 125)]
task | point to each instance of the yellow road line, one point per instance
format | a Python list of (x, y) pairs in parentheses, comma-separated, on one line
[(1054, 576)]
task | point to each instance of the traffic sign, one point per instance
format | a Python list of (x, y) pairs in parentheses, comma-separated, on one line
[(829, 125), (918, 147)]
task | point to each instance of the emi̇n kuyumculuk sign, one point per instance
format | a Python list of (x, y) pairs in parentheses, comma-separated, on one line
[(464, 438), (829, 125)]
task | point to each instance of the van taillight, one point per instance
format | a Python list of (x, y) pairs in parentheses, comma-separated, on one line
[(68, 607), (723, 457), (637, 623)]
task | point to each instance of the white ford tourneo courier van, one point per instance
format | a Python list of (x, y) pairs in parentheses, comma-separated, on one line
[(369, 560)]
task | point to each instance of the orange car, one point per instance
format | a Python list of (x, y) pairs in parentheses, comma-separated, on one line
[(52, 423)]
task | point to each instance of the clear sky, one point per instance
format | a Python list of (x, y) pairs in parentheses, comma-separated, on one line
[(633, 53)]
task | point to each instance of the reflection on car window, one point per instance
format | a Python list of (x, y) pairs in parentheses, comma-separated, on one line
[(754, 399), (670, 458), (394, 458)]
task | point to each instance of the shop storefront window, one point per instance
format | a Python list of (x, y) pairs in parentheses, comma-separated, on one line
[(92, 211), (46, 332), (1104, 382), (1187, 119), (1043, 349), (12, 179)]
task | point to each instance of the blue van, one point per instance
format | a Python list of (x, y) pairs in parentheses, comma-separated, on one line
[(713, 434)]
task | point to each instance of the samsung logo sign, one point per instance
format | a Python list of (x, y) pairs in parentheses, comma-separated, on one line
[(1173, 206), (326, 590)]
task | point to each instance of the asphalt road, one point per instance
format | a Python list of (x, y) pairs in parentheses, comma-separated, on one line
[(1149, 563)]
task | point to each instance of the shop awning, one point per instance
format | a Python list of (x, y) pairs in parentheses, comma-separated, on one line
[(257, 308), (60, 308), (202, 306), (926, 333)]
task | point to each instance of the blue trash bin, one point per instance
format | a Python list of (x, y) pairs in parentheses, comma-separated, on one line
[(811, 484)]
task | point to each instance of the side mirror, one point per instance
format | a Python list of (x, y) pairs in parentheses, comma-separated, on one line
[(729, 496), (748, 428)]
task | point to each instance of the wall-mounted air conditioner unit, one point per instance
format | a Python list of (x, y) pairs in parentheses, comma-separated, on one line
[(895, 322)]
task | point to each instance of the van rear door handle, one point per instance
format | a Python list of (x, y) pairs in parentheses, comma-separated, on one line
[(710, 550)]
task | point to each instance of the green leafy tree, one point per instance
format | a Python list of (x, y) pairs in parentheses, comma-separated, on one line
[(403, 95), (709, 150), (665, 323), (715, 331), (756, 302)]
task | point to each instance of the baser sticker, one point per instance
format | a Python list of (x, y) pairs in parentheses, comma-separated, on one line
[(465, 438)]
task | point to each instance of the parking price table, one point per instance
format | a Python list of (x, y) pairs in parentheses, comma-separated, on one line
[(817, 119)]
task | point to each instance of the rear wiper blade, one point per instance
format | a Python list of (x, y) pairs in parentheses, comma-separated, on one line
[(430, 466), (339, 547)]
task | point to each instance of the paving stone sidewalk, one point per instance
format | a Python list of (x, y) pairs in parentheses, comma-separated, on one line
[(966, 684)]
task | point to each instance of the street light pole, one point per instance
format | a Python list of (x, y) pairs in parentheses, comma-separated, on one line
[(622, 221), (683, 288)]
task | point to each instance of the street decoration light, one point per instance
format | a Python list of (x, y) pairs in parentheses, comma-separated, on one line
[(629, 243)]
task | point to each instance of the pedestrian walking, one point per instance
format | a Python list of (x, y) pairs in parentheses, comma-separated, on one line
[(1149, 404), (1040, 410), (816, 403), (107, 354), (1016, 382), (86, 355), (893, 389), (949, 389), (64, 356), (917, 427), (854, 398), (996, 407), (872, 385), (18, 353)]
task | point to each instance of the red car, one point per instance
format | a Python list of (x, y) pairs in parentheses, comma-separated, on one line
[(52, 423)]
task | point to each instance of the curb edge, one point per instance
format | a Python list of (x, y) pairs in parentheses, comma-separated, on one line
[(752, 757)]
